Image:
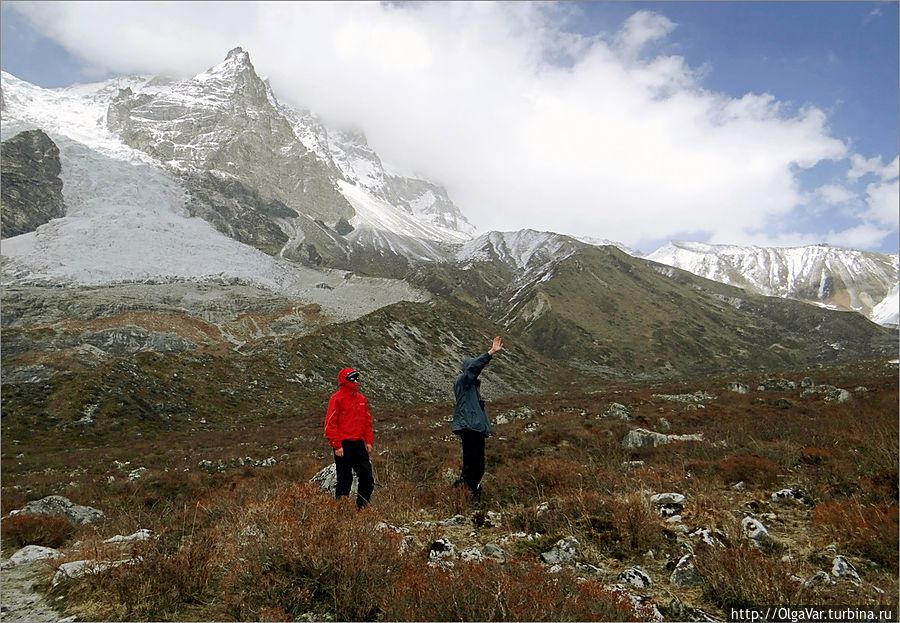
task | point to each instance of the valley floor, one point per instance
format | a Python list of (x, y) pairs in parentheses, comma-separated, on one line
[(569, 528)]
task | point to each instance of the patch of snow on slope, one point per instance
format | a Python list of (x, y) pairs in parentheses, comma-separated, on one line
[(603, 242), (887, 312), (516, 248), (77, 112), (376, 214)]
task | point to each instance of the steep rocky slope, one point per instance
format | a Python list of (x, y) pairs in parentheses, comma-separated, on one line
[(32, 189)]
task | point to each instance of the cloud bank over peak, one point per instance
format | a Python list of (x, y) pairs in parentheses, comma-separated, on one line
[(527, 122)]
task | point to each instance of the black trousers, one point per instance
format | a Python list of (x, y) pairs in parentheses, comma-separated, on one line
[(355, 459), (472, 460)]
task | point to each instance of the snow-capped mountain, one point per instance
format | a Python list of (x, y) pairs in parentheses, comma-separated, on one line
[(273, 186), (258, 170), (519, 250), (834, 277)]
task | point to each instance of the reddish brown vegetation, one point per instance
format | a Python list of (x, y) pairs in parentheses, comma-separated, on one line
[(27, 529), (250, 543)]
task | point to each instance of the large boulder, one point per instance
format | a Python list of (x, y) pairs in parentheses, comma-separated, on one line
[(61, 507), (643, 438)]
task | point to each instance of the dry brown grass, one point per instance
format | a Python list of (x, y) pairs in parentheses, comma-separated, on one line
[(251, 543), (868, 530), (29, 529)]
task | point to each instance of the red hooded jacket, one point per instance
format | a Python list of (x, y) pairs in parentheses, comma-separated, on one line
[(348, 414)]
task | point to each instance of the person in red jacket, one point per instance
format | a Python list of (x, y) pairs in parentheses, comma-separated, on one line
[(348, 428)]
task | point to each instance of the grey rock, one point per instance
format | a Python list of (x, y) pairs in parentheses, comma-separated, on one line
[(326, 478), (685, 573), (62, 507), (713, 538), (563, 551), (755, 531), (842, 568), (31, 193), (698, 397), (618, 411), (635, 576), (735, 386), (494, 551), (30, 553), (643, 438), (807, 382), (829, 392), (80, 568), (471, 554), (665, 499), (820, 578), (776, 385), (141, 535)]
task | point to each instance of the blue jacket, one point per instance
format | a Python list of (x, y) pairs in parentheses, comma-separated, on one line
[(469, 411)]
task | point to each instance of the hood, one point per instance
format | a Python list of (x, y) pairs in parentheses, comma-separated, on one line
[(343, 383)]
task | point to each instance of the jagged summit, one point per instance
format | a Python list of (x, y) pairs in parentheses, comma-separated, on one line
[(235, 73)]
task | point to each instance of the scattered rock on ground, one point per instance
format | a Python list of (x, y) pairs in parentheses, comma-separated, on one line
[(776, 385), (829, 392), (643, 438), (841, 568), (618, 411), (755, 531), (685, 573), (326, 478), (62, 507), (635, 576), (563, 551), (698, 397)]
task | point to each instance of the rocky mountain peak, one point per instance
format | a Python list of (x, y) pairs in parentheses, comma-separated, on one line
[(236, 75), (238, 53)]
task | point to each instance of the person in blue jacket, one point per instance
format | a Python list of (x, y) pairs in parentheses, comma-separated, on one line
[(470, 421)]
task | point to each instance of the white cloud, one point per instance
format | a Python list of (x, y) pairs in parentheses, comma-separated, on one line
[(640, 29), (835, 194), (861, 166), (527, 124), (883, 200)]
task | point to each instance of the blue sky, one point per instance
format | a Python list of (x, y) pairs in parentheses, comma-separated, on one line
[(840, 58)]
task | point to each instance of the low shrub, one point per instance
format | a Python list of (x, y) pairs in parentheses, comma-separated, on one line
[(741, 576), (637, 526), (869, 530), (300, 551), (814, 455), (749, 468), (32, 529), (487, 591)]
